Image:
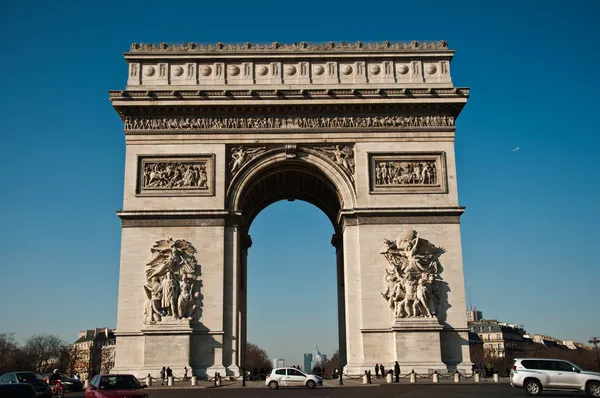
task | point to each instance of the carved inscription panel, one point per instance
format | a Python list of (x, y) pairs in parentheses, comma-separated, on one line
[(176, 176), (407, 172)]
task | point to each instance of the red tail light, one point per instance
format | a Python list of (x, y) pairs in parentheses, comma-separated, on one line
[(268, 376), (514, 368)]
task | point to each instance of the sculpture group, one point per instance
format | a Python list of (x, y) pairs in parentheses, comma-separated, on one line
[(402, 173), (412, 276), (170, 280)]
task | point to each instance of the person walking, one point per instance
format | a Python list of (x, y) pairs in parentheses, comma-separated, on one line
[(185, 373), (397, 371), (162, 376), (382, 370), (169, 373), (377, 370)]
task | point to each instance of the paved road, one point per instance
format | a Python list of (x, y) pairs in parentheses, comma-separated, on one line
[(392, 391)]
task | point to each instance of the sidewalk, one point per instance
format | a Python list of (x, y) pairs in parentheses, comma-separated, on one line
[(354, 382)]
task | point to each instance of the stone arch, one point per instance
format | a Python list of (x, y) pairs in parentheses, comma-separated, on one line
[(321, 182)]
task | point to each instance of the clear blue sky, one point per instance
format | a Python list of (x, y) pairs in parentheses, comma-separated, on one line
[(529, 233)]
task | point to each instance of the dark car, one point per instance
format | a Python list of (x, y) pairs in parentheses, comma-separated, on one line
[(115, 386), (69, 383), (17, 390), (42, 389)]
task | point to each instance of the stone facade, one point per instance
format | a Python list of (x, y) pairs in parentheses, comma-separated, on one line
[(214, 134)]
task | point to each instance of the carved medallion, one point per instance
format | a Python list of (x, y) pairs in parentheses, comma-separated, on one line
[(176, 176), (172, 291), (412, 277)]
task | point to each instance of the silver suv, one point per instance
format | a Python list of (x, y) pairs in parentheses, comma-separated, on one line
[(537, 374)]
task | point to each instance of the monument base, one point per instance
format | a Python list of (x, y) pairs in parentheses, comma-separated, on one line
[(418, 345)]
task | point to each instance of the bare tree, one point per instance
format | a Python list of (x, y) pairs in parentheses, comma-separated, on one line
[(107, 359), (8, 349), (256, 358), (332, 363), (68, 357), (43, 350)]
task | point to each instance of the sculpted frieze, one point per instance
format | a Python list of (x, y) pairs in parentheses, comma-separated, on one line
[(407, 172), (412, 277), (390, 173), (302, 46), (172, 291), (176, 175), (277, 122)]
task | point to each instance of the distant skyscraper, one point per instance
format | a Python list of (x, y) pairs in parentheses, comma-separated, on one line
[(278, 363), (317, 358), (307, 363)]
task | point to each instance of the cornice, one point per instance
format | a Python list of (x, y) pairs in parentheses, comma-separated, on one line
[(401, 215), (177, 218), (276, 47), (282, 95)]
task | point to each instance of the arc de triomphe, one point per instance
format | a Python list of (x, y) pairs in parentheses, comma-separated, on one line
[(216, 133)]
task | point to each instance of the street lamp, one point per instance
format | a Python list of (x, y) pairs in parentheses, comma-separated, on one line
[(594, 341)]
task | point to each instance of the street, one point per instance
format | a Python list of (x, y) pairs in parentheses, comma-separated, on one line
[(391, 390)]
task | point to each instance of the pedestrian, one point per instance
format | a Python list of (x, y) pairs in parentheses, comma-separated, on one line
[(169, 373), (185, 373), (369, 376), (162, 376), (216, 376), (377, 370), (382, 370), (397, 371), (473, 369)]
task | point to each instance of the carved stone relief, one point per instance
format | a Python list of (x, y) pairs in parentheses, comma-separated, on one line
[(407, 172), (177, 175), (342, 155), (172, 288), (412, 277), (276, 122), (241, 155)]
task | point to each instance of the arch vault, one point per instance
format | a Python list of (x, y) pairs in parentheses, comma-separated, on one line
[(214, 134)]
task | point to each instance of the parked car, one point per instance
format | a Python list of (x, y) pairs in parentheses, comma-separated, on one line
[(42, 389), (17, 390), (538, 374), (69, 383), (115, 386), (291, 377)]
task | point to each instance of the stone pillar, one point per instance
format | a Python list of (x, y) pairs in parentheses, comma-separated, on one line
[(337, 242)]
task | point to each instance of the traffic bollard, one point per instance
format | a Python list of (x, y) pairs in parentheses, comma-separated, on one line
[(496, 378), (388, 378), (413, 377), (476, 377), (436, 377), (170, 381), (365, 378), (456, 377), (149, 380), (194, 380)]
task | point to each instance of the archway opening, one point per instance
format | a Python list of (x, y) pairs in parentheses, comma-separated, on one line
[(294, 296)]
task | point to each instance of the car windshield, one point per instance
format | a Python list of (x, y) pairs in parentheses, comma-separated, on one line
[(28, 377), (120, 382)]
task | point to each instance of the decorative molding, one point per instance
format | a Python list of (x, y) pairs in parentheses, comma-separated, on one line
[(407, 173), (176, 175), (286, 122), (284, 47), (172, 222)]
